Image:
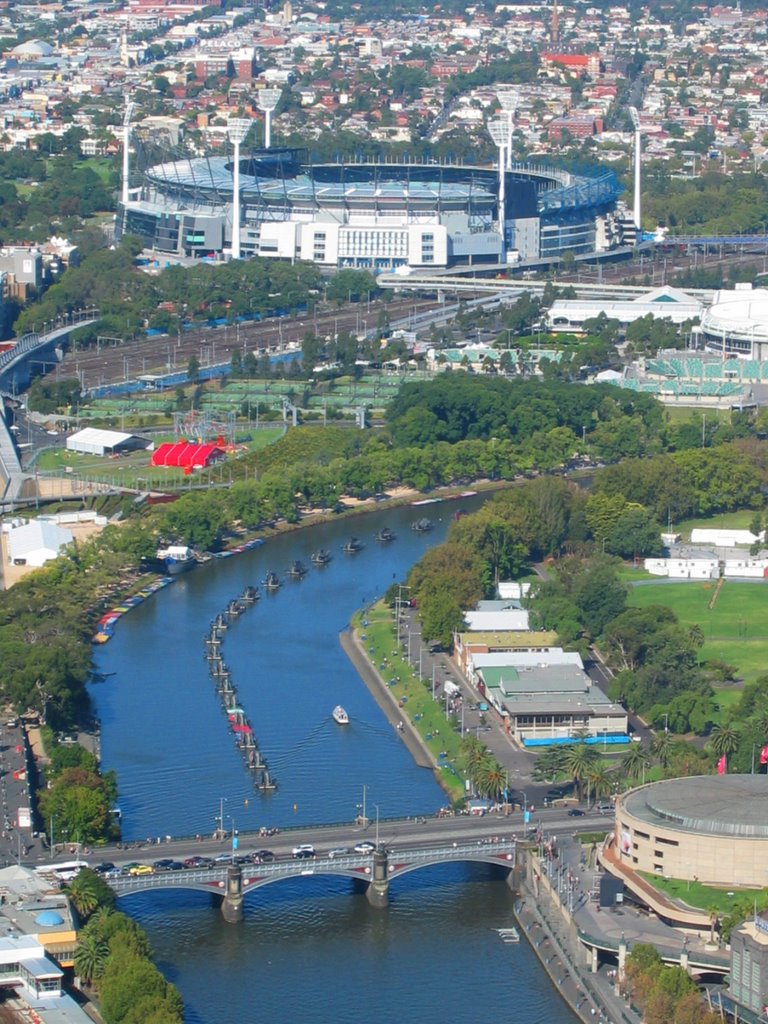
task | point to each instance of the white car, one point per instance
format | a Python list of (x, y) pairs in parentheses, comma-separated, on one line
[(339, 851), (365, 847), (305, 850)]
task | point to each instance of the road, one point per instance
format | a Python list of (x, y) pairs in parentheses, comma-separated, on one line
[(400, 834)]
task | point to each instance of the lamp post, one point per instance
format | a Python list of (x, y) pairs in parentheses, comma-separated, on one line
[(222, 801), (377, 825), (53, 818), (234, 835)]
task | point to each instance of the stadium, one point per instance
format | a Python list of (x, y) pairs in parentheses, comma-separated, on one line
[(736, 324), (374, 216)]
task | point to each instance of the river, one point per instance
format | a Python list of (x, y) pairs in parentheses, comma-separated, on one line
[(308, 950)]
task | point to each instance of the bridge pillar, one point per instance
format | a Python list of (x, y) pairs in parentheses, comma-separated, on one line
[(232, 904), (378, 889)]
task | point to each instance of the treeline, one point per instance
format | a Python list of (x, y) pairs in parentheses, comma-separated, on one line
[(664, 994), (583, 599), (113, 960), (129, 299)]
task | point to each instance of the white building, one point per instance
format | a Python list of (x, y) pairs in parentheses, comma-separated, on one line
[(662, 304), (496, 621), (93, 441), (36, 542), (737, 323)]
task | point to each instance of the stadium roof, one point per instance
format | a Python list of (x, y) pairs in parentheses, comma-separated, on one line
[(742, 312), (722, 805)]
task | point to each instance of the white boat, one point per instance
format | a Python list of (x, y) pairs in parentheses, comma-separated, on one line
[(508, 935), (340, 716), (177, 558)]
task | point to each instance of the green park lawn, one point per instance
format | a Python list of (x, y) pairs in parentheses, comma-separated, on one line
[(426, 714), (703, 897), (727, 520), (735, 630)]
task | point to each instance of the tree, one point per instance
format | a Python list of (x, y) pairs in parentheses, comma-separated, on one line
[(193, 369), (88, 892), (579, 760), (90, 958), (661, 748), (724, 740), (634, 761)]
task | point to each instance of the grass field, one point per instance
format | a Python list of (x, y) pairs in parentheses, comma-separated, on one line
[(415, 697), (735, 630), (727, 521), (134, 470), (703, 897)]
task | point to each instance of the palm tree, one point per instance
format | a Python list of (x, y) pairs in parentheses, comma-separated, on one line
[(83, 892), (578, 759), (634, 761), (724, 740), (661, 748), (491, 780), (600, 780), (90, 957)]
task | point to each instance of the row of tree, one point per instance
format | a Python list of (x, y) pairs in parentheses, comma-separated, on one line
[(113, 960)]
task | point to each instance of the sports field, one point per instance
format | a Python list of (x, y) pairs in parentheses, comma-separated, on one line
[(735, 629)]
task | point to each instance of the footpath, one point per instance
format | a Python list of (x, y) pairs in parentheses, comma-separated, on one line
[(551, 931)]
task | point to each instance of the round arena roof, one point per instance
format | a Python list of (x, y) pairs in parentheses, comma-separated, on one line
[(717, 805), (738, 313)]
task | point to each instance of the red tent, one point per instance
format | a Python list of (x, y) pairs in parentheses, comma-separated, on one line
[(187, 455)]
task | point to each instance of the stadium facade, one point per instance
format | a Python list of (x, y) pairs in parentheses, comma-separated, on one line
[(375, 216), (736, 324)]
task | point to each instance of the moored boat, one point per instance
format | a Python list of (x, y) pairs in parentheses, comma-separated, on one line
[(385, 535), (352, 546), (320, 557), (340, 716), (177, 558), (422, 525), (271, 581), (296, 570)]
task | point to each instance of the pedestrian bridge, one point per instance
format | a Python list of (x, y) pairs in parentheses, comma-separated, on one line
[(373, 870)]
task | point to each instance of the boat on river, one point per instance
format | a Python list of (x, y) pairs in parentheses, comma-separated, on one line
[(508, 935), (321, 557), (340, 716), (176, 559), (272, 581), (352, 546), (296, 570), (422, 525), (385, 535)]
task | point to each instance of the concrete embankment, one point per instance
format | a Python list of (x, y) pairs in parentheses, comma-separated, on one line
[(381, 693)]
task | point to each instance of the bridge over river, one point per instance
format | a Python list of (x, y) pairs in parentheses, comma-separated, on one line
[(372, 871)]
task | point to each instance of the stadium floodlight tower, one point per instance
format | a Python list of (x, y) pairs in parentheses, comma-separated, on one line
[(126, 148), (267, 101), (638, 155), (509, 100), (499, 130), (237, 129)]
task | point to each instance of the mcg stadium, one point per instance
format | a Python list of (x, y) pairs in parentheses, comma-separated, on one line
[(374, 216)]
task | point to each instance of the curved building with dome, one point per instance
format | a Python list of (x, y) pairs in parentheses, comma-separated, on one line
[(737, 323), (710, 828)]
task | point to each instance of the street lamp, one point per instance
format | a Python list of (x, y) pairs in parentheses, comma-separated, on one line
[(377, 825), (222, 801)]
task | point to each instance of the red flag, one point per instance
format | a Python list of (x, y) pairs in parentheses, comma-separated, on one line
[(722, 766), (764, 755)]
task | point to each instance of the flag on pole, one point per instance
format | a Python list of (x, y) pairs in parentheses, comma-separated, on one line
[(722, 766), (764, 755)]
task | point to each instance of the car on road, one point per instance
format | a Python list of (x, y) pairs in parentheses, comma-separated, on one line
[(103, 869), (338, 851), (175, 865), (262, 857), (365, 847), (224, 858), (303, 851), (141, 869), (126, 869), (575, 812), (198, 862), (605, 808), (162, 865)]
